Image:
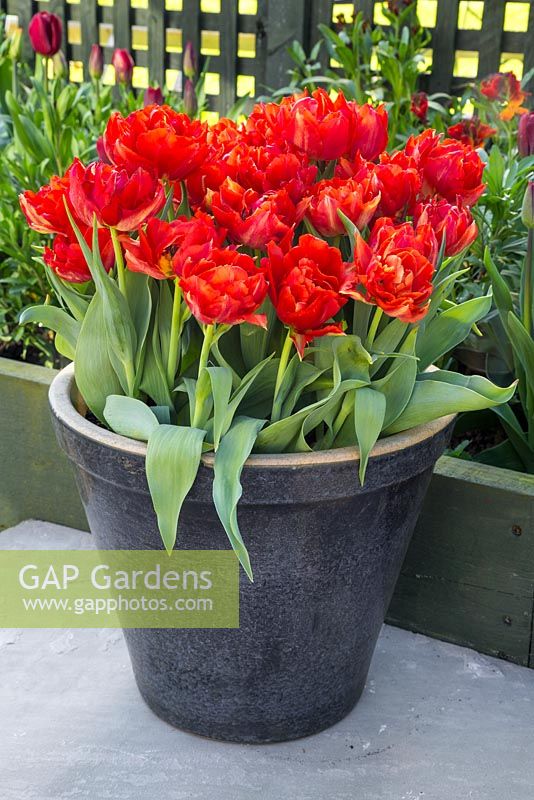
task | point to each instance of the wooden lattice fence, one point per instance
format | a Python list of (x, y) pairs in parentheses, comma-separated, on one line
[(246, 40)]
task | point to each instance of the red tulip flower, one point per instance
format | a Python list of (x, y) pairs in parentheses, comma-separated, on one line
[(369, 132), (422, 238), (267, 169), (117, 199), (45, 31), (253, 219), (399, 182), (454, 222), (327, 129), (123, 64), (162, 247), (449, 168), (357, 200), (525, 135), (225, 287), (395, 277), (156, 138), (67, 260), (471, 132), (45, 210), (305, 286), (419, 105)]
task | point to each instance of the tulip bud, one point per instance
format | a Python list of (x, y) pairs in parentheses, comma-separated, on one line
[(96, 62), (527, 212), (60, 65), (14, 38), (189, 66), (190, 99), (124, 65), (525, 135), (153, 96), (45, 31)]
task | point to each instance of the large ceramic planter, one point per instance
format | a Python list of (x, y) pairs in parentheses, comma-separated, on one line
[(326, 555)]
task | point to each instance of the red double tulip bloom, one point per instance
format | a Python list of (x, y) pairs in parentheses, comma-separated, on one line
[(66, 258), (405, 237), (453, 170), (45, 31), (327, 129), (357, 200), (158, 139), (394, 276), (162, 247), (267, 169), (454, 222), (306, 283), (369, 132), (253, 219), (117, 199), (471, 132), (226, 287), (45, 210), (399, 183)]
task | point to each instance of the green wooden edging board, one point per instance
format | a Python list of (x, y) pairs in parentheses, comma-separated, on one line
[(468, 576), (36, 480)]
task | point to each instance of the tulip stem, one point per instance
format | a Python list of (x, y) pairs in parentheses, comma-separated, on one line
[(119, 258), (282, 366), (209, 331), (174, 344), (374, 327), (527, 284)]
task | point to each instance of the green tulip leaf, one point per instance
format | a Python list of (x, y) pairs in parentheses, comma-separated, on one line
[(130, 417), (233, 451), (439, 393), (449, 329), (95, 377), (59, 321), (397, 385), (172, 462), (369, 414)]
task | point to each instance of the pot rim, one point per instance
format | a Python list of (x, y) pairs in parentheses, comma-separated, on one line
[(64, 409)]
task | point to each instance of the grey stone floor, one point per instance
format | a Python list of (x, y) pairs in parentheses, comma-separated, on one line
[(436, 721)]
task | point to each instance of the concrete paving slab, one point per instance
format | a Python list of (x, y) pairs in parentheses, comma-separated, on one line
[(436, 722)]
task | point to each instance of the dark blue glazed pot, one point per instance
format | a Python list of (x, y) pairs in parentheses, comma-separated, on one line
[(326, 555)]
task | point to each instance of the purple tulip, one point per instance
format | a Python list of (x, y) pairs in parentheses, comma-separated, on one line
[(45, 31), (527, 214), (96, 62), (124, 66), (525, 135), (153, 96), (189, 65)]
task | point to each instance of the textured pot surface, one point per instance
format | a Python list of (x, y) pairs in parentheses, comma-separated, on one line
[(326, 554)]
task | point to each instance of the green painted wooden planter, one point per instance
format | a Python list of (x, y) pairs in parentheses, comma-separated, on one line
[(468, 576), (36, 481)]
